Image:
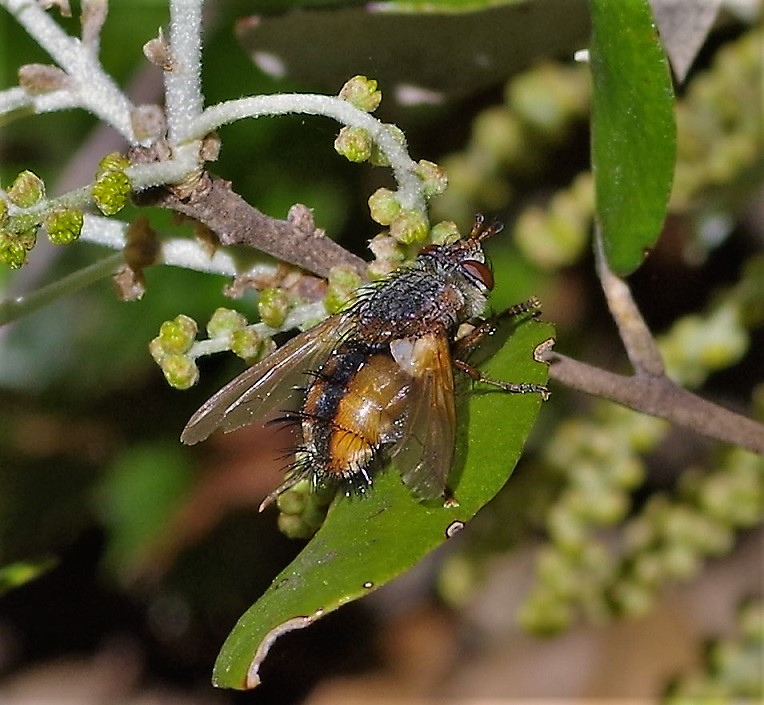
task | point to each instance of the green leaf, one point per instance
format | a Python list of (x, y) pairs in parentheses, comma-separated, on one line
[(452, 50), (367, 541), (15, 575), (633, 130)]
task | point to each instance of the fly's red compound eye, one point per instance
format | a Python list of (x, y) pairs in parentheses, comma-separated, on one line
[(478, 271)]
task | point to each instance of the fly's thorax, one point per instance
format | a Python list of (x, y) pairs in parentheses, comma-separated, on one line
[(355, 406)]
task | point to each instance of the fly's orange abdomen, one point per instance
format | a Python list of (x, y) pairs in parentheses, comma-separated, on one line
[(354, 407)]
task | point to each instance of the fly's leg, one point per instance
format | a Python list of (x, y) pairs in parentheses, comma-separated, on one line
[(464, 346)]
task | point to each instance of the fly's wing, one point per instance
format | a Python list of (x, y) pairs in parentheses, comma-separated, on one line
[(268, 384), (426, 449)]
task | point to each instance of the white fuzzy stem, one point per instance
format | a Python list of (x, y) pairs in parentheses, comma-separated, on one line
[(183, 93), (410, 186), (92, 89)]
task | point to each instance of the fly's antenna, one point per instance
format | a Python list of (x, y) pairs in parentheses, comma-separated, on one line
[(480, 231)]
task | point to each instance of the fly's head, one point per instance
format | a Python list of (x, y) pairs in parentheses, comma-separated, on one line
[(464, 265)]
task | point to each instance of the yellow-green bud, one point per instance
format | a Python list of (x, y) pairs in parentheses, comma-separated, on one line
[(64, 225), (378, 157), (178, 335), (114, 161), (409, 227), (384, 206), (444, 233), (292, 526), (247, 344), (379, 269), (343, 281), (27, 239), (26, 189), (273, 306), (180, 371), (387, 248), (110, 192), (3, 210), (354, 143), (295, 499), (157, 350), (224, 321), (12, 253), (433, 176), (362, 93)]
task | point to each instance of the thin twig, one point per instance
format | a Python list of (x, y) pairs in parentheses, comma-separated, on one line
[(659, 396), (639, 343), (11, 309), (296, 240)]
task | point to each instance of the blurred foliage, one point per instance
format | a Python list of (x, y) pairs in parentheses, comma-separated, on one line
[(732, 665), (88, 427)]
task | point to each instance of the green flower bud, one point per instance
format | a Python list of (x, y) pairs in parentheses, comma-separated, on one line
[(114, 161), (180, 371), (157, 350), (110, 192), (247, 344), (354, 143), (26, 189), (545, 614), (295, 499), (410, 227), (273, 306), (343, 282), (224, 321), (64, 225), (386, 248), (293, 526), (433, 176), (378, 157), (444, 233), (633, 599), (3, 210), (362, 93), (379, 269), (384, 206), (12, 253), (178, 335)]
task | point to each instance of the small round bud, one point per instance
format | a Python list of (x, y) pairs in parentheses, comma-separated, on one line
[(362, 93), (64, 225), (110, 192), (444, 233), (273, 306), (633, 599), (386, 248), (12, 253), (114, 161), (343, 282), (409, 227), (293, 526), (384, 206), (158, 353), (354, 143), (433, 176), (224, 321), (178, 335), (180, 371), (295, 499), (26, 189), (247, 344)]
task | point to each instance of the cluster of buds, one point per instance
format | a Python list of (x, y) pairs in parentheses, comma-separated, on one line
[(18, 230), (407, 228)]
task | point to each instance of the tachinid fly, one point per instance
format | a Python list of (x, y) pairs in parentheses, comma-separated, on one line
[(376, 382)]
